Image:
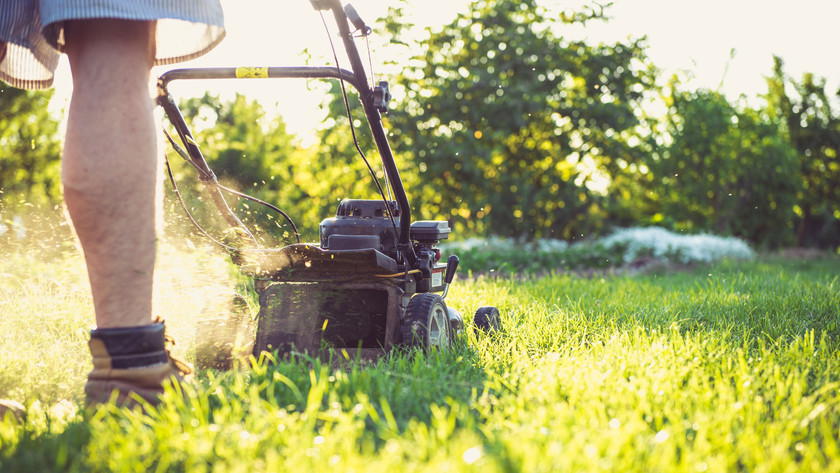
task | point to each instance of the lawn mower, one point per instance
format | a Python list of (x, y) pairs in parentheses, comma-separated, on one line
[(373, 282)]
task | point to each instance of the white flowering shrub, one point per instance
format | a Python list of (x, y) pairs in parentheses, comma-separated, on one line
[(662, 244), (492, 243), (623, 246), (551, 246)]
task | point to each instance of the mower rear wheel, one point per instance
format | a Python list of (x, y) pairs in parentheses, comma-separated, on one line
[(487, 320), (426, 323)]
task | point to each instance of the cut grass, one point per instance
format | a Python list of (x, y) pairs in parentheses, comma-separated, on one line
[(733, 366)]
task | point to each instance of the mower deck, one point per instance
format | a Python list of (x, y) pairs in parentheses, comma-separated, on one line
[(306, 262), (307, 317), (313, 299)]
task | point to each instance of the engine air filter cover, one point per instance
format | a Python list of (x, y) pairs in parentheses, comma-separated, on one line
[(430, 230), (360, 208), (356, 218)]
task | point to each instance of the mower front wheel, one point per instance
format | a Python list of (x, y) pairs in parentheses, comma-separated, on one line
[(487, 320), (426, 323)]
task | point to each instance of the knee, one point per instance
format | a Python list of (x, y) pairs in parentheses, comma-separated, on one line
[(109, 48)]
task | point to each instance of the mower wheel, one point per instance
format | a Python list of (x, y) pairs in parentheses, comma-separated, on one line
[(487, 320), (426, 323)]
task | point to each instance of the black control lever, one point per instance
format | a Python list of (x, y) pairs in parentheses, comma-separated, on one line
[(357, 21), (451, 266), (381, 97)]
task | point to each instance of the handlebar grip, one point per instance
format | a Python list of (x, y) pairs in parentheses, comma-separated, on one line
[(357, 21), (451, 266)]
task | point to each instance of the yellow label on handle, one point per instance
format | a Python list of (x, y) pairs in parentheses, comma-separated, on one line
[(251, 72)]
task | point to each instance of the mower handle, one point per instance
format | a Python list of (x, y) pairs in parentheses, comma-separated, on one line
[(376, 128), (358, 78)]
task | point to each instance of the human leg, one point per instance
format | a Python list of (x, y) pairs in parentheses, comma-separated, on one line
[(109, 175), (110, 164), (110, 147)]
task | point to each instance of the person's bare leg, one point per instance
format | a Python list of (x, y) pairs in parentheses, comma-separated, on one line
[(110, 163)]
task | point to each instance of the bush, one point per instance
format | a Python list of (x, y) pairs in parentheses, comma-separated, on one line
[(623, 246)]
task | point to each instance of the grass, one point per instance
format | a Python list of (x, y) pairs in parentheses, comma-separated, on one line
[(730, 366)]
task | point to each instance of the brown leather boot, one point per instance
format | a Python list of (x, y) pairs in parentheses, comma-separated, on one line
[(132, 360)]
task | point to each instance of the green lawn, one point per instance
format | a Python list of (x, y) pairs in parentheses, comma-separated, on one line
[(731, 366)]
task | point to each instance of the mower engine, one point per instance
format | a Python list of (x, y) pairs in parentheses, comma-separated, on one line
[(364, 224), (347, 293)]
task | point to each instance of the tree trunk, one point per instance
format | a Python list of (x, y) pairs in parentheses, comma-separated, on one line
[(803, 224)]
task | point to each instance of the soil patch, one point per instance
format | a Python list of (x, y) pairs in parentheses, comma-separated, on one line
[(805, 253)]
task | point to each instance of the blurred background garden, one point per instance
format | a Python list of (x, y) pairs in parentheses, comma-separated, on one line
[(506, 128)]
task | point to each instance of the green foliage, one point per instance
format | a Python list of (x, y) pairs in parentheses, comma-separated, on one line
[(505, 256), (497, 112), (727, 170), (336, 170), (503, 127), (242, 145), (29, 149), (813, 129), (251, 153), (256, 155)]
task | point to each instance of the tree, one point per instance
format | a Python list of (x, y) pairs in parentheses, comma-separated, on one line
[(727, 170), (242, 145), (335, 170), (502, 124), (813, 128), (256, 155), (29, 149), (251, 153)]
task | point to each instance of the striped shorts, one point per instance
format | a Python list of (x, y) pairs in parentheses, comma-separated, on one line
[(32, 36)]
